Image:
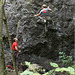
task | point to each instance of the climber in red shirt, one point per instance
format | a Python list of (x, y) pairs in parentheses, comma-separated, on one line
[(16, 52), (15, 45), (15, 48)]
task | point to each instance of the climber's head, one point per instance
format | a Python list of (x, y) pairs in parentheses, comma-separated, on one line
[(15, 39), (44, 6)]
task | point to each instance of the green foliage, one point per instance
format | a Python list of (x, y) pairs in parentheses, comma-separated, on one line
[(32, 72), (54, 64), (66, 60), (73, 66), (30, 66), (27, 72), (70, 70), (51, 72)]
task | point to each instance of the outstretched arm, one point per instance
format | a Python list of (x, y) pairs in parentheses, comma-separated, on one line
[(49, 9), (38, 14)]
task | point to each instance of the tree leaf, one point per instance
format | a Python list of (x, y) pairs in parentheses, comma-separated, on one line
[(58, 69), (27, 73), (54, 64)]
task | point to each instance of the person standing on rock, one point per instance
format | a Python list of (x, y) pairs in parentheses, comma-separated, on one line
[(15, 49), (45, 13)]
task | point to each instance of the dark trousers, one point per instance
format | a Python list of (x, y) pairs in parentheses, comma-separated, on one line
[(16, 57)]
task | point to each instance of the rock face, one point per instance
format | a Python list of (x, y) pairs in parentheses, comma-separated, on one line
[(23, 24)]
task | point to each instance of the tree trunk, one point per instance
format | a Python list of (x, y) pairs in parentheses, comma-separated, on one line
[(10, 43), (2, 58)]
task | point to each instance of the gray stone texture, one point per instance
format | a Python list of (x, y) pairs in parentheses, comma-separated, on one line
[(28, 30)]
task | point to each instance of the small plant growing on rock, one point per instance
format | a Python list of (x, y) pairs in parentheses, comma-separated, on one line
[(66, 60)]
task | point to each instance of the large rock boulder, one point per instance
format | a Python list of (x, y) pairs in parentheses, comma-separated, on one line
[(23, 24)]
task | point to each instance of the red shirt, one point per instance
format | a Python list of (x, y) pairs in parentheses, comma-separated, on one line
[(14, 45)]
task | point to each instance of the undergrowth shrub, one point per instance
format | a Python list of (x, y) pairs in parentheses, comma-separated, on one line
[(66, 60), (69, 70)]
